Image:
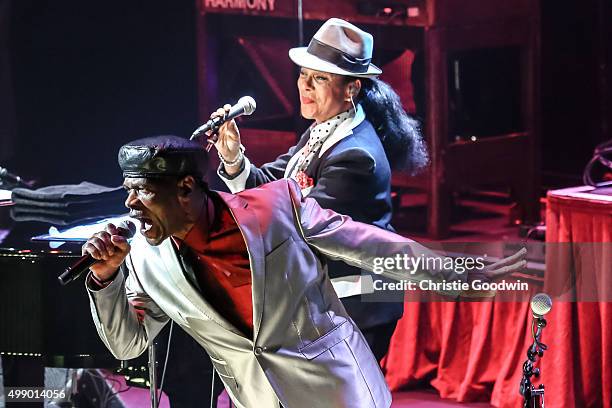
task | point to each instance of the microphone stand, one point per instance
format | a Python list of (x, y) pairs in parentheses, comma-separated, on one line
[(533, 397), (153, 376)]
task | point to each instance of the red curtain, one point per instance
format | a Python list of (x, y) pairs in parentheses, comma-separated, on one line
[(475, 351)]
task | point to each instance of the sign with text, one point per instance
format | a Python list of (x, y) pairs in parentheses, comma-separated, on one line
[(273, 8)]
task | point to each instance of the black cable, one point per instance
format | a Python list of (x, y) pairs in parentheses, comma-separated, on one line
[(109, 394), (97, 389), (601, 150)]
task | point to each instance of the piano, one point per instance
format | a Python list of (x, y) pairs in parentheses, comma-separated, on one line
[(42, 324)]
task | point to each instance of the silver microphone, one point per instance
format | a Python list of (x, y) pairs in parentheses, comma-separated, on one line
[(245, 106), (541, 304)]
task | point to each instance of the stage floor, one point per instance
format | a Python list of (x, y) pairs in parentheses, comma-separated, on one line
[(428, 399), (139, 398)]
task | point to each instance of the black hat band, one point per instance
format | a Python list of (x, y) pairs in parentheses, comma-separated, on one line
[(338, 57)]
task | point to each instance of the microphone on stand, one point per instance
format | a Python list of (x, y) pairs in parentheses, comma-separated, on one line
[(533, 397), (245, 106), (540, 305), (126, 229), (14, 179)]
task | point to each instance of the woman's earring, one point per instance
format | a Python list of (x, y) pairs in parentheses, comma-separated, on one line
[(353, 103)]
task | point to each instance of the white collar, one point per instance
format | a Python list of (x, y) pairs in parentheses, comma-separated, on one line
[(343, 130), (326, 129)]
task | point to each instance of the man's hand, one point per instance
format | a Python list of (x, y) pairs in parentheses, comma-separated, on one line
[(110, 249), (495, 271), (502, 268)]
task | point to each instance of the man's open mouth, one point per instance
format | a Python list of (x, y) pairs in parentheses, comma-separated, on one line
[(146, 224)]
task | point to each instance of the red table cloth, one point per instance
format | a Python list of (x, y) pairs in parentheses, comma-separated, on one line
[(475, 351)]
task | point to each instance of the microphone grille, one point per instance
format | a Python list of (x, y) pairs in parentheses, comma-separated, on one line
[(249, 104), (129, 228), (541, 304)]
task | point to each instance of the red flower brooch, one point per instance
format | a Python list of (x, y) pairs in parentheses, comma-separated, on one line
[(303, 180)]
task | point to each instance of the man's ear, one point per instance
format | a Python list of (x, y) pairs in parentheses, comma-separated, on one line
[(186, 186)]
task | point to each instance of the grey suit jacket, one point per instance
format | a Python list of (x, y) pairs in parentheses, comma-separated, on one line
[(351, 176), (306, 351)]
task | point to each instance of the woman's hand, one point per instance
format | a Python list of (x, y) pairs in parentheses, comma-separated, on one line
[(228, 141)]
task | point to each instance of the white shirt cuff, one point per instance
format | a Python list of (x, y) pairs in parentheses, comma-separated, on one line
[(238, 183), (353, 285)]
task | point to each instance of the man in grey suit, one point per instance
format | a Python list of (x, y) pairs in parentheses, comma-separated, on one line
[(245, 276)]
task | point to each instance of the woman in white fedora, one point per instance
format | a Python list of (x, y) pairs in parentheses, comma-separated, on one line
[(344, 160)]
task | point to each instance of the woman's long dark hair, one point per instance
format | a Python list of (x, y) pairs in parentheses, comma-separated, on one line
[(399, 133)]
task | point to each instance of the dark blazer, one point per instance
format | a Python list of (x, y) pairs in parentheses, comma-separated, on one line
[(352, 177)]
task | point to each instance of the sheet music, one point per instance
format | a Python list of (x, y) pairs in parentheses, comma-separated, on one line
[(5, 195), (79, 232)]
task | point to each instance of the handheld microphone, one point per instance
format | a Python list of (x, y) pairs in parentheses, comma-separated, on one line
[(245, 106), (126, 229)]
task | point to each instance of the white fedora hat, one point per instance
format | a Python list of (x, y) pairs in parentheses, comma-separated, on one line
[(338, 47)]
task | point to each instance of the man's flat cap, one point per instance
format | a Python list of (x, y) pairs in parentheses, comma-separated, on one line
[(160, 156)]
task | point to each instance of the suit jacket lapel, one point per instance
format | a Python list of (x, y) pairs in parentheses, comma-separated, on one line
[(300, 146), (249, 226), (175, 270)]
